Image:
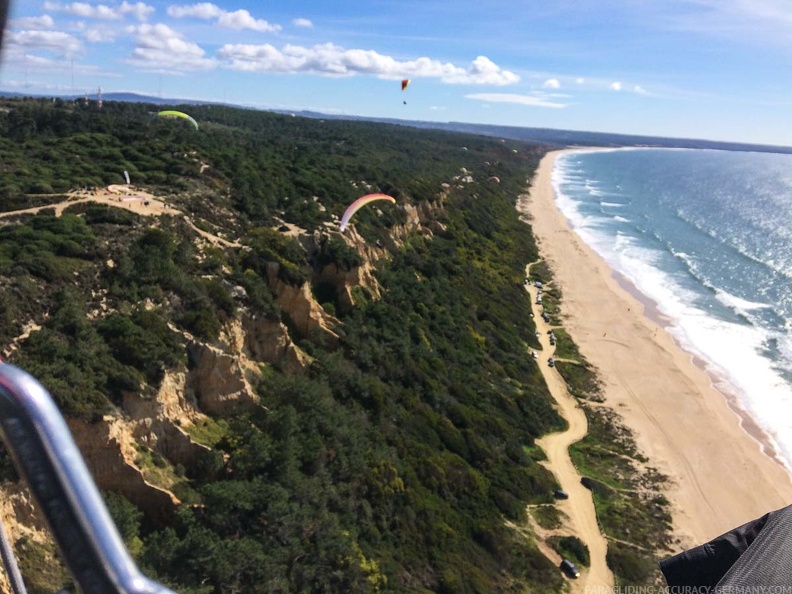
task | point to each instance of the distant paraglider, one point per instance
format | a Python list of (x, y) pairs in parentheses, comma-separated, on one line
[(169, 113), (495, 179), (359, 203), (404, 84)]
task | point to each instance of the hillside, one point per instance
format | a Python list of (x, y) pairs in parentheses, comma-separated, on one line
[(271, 405)]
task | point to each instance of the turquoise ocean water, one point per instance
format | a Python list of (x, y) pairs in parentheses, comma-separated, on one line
[(707, 236)]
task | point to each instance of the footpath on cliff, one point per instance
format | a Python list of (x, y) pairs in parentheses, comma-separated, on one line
[(127, 198), (580, 506)]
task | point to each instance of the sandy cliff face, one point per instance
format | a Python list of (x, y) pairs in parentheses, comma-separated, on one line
[(346, 280), (21, 522), (110, 451), (222, 375), (262, 339), (218, 379), (299, 304), (423, 217), (159, 422)]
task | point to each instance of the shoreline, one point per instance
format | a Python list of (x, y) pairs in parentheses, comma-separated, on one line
[(747, 423), (720, 475)]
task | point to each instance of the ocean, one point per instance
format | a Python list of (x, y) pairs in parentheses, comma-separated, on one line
[(707, 236)]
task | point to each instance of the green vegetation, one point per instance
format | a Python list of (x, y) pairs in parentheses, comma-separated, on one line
[(548, 516), (39, 564), (565, 347), (208, 431), (572, 548), (581, 380), (395, 460), (541, 272), (632, 512)]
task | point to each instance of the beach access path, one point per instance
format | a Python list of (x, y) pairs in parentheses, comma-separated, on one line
[(720, 476), (580, 505)]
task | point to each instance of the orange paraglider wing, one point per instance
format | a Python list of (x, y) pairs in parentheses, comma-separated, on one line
[(405, 83)]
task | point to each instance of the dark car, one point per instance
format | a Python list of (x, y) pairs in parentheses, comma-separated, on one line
[(560, 494), (569, 569)]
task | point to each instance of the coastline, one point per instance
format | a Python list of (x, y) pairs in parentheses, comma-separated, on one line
[(719, 475)]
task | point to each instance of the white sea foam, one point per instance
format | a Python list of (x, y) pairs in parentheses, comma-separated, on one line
[(731, 351), (734, 349), (738, 304)]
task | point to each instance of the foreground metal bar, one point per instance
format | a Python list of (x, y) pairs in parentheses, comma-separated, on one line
[(46, 456), (10, 564)]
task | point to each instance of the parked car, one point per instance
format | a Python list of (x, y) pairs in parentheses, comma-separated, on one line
[(560, 494), (569, 569)]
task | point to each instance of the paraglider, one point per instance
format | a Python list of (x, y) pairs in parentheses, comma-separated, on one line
[(126, 177), (169, 113), (495, 179), (359, 203), (404, 84)]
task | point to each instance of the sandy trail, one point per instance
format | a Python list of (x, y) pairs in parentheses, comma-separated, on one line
[(580, 505), (720, 477), (128, 198)]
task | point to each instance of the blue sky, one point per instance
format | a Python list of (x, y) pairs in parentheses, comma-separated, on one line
[(711, 69)]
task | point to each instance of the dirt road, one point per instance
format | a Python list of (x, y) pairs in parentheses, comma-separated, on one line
[(128, 198), (580, 505)]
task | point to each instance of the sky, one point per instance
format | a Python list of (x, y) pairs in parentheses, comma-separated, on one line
[(706, 69)]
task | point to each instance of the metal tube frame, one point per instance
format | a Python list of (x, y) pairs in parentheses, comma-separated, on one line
[(46, 456)]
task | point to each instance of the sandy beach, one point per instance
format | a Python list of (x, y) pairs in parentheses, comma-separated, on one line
[(720, 477)]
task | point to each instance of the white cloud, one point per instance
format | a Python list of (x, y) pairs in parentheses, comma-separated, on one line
[(551, 83), (60, 43), (202, 10), (238, 19), (533, 100), (302, 23), (99, 34), (241, 19), (617, 86), (332, 60), (139, 10), (640, 90), (161, 48), (483, 71), (41, 22), (580, 80)]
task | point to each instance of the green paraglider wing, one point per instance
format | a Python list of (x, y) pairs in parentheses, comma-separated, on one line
[(169, 113)]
